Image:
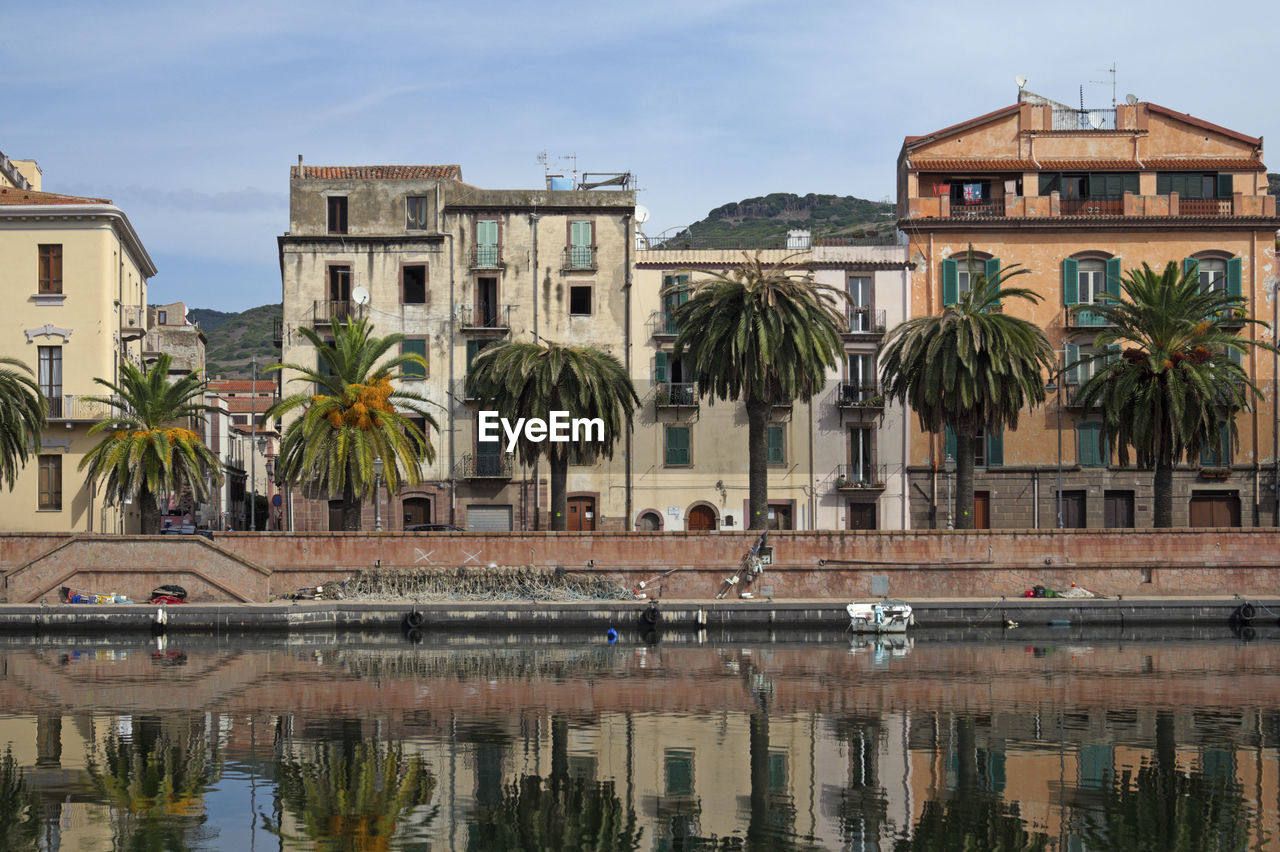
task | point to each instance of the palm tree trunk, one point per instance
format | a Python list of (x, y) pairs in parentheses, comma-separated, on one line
[(758, 744), (559, 497), (964, 481), (1162, 511), (757, 458), (350, 508), (150, 512)]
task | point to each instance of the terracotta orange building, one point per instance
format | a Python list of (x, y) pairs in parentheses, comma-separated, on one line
[(1077, 197)]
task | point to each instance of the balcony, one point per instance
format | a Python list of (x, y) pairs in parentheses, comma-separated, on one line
[(676, 395), (860, 397), (1052, 206), (133, 322), (1084, 119), (486, 321), (990, 207), (863, 320), (327, 311), (277, 331), (1212, 207), (76, 408), (486, 257), (486, 466), (1084, 319), (1234, 318), (580, 258), (858, 478), (1102, 206), (663, 326)]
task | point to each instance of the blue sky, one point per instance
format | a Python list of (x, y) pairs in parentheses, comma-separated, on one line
[(189, 118)]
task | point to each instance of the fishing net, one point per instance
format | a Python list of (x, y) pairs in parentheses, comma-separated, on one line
[(520, 583)]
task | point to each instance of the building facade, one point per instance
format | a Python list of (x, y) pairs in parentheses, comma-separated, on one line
[(74, 274), (456, 268), (1077, 197)]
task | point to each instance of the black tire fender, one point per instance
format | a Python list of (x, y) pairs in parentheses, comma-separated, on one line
[(415, 619), (1246, 612), (650, 615)]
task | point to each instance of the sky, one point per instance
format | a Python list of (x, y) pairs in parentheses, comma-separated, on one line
[(189, 116)]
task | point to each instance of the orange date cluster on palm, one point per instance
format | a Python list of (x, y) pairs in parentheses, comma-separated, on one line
[(361, 405), (174, 435)]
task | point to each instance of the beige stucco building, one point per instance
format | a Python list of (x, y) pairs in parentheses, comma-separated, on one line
[(1078, 197), (454, 268), (74, 275)]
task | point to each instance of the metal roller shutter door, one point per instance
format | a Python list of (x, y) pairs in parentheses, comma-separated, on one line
[(489, 518)]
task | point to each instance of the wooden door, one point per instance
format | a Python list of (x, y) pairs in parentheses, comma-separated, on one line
[(982, 510), (417, 510), (701, 518), (1117, 509), (862, 516), (1073, 516), (582, 514), (1215, 509)]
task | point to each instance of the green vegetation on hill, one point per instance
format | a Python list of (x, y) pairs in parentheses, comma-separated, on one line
[(235, 338), (764, 221)]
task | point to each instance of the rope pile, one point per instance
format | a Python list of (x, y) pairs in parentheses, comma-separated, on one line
[(507, 583)]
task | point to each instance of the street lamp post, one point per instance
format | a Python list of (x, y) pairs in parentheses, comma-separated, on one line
[(1056, 385), (950, 467), (377, 494), (263, 446)]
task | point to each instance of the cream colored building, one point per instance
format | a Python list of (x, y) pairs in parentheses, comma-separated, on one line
[(455, 268), (74, 275), (835, 462)]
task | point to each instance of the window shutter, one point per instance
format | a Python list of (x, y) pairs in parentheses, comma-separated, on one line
[(1113, 353), (580, 233), (1089, 445), (1113, 277), (677, 445), (1070, 281), (1235, 356), (1233, 276), (775, 455), (1191, 266), (950, 285), (1224, 186), (1049, 182), (995, 449), (660, 367), (1130, 183), (473, 349), (1164, 184), (486, 232), (1072, 373), (991, 271), (1224, 441), (948, 443), (414, 347)]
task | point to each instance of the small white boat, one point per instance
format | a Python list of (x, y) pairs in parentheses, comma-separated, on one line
[(886, 616)]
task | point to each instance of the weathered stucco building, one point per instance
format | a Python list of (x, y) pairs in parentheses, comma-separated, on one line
[(1077, 197), (454, 268)]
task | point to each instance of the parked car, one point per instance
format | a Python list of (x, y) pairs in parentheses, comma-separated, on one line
[(433, 528)]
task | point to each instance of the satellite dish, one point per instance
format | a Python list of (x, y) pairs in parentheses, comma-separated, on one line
[(642, 214), (1020, 80), (360, 296), (1096, 120), (1131, 99)]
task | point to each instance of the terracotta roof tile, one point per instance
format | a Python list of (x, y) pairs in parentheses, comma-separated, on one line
[(447, 172), (245, 385), (1011, 164), (1206, 163), (964, 164), (10, 195)]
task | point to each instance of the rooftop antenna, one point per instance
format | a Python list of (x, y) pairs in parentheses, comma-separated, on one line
[(1112, 72)]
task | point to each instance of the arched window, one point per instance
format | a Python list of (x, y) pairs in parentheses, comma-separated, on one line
[(1087, 279), (958, 273), (649, 521)]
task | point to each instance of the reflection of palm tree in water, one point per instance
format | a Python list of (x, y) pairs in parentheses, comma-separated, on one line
[(354, 795), (19, 807), (154, 781)]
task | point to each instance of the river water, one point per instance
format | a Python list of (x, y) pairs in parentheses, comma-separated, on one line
[(960, 740)]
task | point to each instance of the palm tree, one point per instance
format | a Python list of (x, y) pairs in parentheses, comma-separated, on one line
[(1175, 379), (531, 380), (971, 368), (350, 416), (144, 456), (22, 416), (765, 334)]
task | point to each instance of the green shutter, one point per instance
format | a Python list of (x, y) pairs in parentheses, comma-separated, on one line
[(1233, 277), (1224, 186), (948, 443), (660, 367), (1097, 185), (995, 449), (1130, 183), (1113, 353), (1072, 372), (1089, 445), (414, 347), (1224, 441), (1191, 266), (487, 232), (1050, 182), (776, 453), (677, 445), (1164, 183), (950, 285), (991, 271), (580, 234), (1070, 281), (1235, 356), (473, 349), (1114, 273)]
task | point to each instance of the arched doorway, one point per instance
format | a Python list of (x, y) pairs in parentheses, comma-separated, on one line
[(649, 521), (417, 510), (701, 518)]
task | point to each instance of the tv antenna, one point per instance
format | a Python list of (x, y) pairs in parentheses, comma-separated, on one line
[(1112, 72)]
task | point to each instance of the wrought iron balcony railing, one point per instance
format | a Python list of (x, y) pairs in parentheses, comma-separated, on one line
[(859, 395), (858, 477), (864, 320), (82, 407), (486, 257), (662, 324), (277, 331), (495, 318), (580, 258), (677, 395), (486, 466), (326, 311)]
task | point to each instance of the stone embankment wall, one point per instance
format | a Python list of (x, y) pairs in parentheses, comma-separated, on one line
[(259, 566)]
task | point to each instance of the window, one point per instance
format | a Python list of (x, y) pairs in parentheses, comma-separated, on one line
[(1082, 364), (489, 457), (860, 305), (862, 469), (51, 377), (580, 300), (988, 450), (50, 269), (420, 423), (487, 242), (678, 766), (1085, 185), (50, 483), (1218, 452), (162, 317), (675, 292), (861, 384), (414, 346), (677, 446), (1195, 184), (970, 191), (581, 244), (340, 287), (957, 275), (474, 348), (1086, 282), (777, 447), (415, 284), (1216, 273), (416, 209), (337, 214), (1091, 445)]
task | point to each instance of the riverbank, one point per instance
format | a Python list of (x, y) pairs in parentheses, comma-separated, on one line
[(638, 617)]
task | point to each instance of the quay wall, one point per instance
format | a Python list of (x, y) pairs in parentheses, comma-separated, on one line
[(255, 567)]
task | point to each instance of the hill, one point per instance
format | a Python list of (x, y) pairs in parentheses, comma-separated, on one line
[(235, 338), (764, 221)]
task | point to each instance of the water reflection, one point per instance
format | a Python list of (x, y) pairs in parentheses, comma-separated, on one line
[(365, 743)]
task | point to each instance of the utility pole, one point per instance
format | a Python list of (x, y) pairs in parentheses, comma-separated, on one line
[(253, 426)]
